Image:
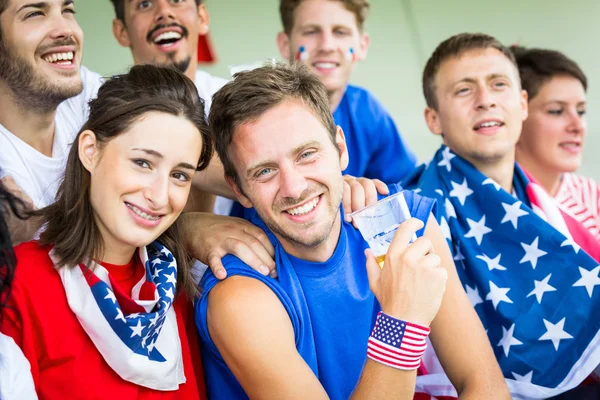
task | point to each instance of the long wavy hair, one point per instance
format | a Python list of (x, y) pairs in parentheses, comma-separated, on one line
[(69, 223)]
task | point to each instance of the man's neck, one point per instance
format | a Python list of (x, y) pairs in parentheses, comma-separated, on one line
[(34, 127), (335, 98), (501, 171), (319, 253), (190, 72)]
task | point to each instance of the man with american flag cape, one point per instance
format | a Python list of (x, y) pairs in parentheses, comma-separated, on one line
[(527, 268)]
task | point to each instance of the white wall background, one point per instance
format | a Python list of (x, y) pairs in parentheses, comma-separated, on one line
[(403, 34)]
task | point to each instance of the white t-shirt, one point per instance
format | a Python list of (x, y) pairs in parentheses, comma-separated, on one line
[(38, 175), (207, 86), (16, 382)]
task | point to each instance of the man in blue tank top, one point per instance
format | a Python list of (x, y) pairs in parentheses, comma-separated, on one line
[(328, 37), (325, 327)]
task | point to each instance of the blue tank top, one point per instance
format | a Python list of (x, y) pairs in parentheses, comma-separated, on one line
[(330, 305)]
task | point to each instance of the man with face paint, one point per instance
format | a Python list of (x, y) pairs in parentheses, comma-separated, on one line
[(328, 37)]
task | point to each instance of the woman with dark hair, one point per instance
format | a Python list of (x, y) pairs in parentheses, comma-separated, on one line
[(553, 135), (15, 373), (100, 303)]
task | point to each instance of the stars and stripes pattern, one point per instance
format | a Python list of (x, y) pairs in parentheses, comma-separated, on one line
[(136, 334), (397, 343), (533, 287)]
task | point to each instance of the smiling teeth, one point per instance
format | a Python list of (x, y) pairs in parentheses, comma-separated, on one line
[(52, 58), (305, 209), (167, 36), (325, 65), (489, 124), (142, 214)]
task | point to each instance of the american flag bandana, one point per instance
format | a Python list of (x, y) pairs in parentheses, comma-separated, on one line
[(397, 343), (138, 335), (532, 286)]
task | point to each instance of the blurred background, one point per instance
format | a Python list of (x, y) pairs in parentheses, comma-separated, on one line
[(403, 35)]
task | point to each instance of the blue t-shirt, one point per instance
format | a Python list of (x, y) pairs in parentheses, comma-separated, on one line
[(330, 305), (375, 146)]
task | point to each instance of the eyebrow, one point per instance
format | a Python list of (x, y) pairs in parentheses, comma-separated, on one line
[(487, 78), (43, 4), (269, 163), (561, 102), (159, 155)]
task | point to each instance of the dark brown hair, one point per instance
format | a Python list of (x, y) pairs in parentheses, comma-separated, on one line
[(287, 9), (119, 6), (538, 66), (455, 47), (122, 100), (252, 93)]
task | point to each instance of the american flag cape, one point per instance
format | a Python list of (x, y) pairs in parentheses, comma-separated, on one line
[(532, 286), (138, 335)]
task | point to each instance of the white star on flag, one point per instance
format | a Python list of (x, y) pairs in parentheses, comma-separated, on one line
[(569, 242), (439, 191), (555, 332), (155, 261), (459, 255), (460, 191), (450, 211), (523, 378), (477, 229), (169, 293), (508, 339), (498, 295), (492, 263), (151, 346), (447, 156), (490, 181), (532, 253), (171, 278), (120, 315), (137, 330), (589, 279), (110, 295), (473, 295), (165, 251), (541, 287), (513, 212), (155, 274)]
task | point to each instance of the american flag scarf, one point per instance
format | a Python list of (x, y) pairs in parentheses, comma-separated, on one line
[(532, 286), (138, 335)]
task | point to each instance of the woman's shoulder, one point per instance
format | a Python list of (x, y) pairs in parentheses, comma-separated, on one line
[(33, 259)]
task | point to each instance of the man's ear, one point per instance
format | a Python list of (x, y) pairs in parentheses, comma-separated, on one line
[(239, 194), (203, 19), (283, 43), (432, 118), (120, 33), (340, 141), (525, 104), (88, 150), (365, 41)]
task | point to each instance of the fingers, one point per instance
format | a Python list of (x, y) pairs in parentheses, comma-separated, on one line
[(247, 254), (216, 266), (261, 238), (403, 236), (373, 270), (347, 201), (381, 187)]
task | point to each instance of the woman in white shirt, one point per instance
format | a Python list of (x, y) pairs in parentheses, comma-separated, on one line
[(15, 374)]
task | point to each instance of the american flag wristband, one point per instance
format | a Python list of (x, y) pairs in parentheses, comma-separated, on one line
[(396, 343)]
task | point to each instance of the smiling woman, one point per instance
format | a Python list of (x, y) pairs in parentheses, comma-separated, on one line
[(110, 260)]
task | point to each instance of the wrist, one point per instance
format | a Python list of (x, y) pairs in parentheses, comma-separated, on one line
[(397, 343)]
